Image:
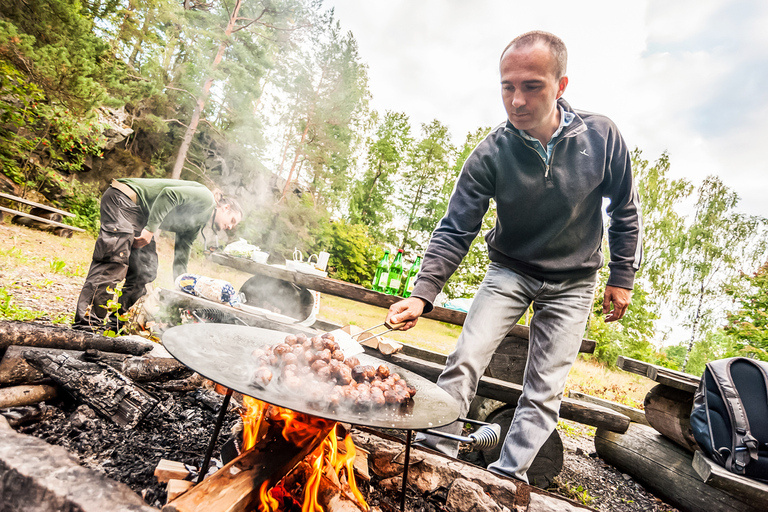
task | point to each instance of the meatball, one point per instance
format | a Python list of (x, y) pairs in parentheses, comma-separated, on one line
[(325, 355), (291, 339), (261, 377), (319, 364), (328, 336), (282, 348), (352, 362), (290, 359), (318, 343), (324, 373), (344, 375), (258, 352), (382, 371)]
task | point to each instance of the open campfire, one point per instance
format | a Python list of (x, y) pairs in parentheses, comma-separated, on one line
[(129, 413)]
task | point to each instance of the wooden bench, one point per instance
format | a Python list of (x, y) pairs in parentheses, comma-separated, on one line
[(41, 216)]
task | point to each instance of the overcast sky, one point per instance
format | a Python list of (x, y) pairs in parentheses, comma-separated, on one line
[(684, 76)]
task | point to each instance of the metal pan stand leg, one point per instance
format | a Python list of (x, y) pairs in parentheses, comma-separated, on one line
[(214, 436), (405, 467)]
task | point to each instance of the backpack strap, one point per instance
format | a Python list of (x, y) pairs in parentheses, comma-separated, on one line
[(744, 445)]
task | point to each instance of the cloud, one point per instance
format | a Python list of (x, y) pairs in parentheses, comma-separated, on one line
[(685, 76)]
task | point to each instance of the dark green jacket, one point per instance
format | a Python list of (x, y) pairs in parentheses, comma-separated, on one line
[(182, 207)]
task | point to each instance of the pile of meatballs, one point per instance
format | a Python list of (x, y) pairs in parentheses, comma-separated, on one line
[(317, 367)]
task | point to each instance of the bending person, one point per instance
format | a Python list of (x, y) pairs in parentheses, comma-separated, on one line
[(133, 210)]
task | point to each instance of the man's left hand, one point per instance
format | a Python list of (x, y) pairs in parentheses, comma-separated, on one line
[(620, 298)]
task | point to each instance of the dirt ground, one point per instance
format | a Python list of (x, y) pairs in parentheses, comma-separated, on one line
[(42, 272)]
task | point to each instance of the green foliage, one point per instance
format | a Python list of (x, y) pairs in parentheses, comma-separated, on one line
[(370, 202), (425, 185), (83, 200), (353, 257), (292, 224), (663, 226), (57, 265), (719, 244), (632, 335), (10, 311), (748, 324)]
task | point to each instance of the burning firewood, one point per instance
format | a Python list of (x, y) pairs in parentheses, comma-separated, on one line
[(236, 486)]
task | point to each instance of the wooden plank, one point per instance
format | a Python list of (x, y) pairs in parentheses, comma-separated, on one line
[(633, 365), (634, 414), (32, 203), (714, 475), (40, 219), (167, 470), (508, 363), (671, 378), (665, 469), (509, 393), (358, 293)]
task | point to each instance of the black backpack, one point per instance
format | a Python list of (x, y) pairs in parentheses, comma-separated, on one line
[(730, 415)]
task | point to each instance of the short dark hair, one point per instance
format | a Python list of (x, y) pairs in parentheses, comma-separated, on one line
[(555, 44)]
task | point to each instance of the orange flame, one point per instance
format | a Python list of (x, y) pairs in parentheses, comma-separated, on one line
[(299, 429)]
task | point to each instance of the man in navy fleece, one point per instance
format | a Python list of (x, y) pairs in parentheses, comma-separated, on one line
[(548, 167)]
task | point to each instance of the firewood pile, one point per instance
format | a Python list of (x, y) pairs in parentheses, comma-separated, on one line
[(126, 409)]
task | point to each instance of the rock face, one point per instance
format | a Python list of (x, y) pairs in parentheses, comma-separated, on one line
[(470, 497), (38, 477)]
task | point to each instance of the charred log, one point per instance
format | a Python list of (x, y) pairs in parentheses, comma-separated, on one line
[(107, 391)]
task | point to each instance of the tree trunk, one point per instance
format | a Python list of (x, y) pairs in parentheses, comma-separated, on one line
[(43, 336), (696, 320), (200, 105), (295, 159)]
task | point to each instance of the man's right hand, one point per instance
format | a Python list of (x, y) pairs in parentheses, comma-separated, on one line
[(407, 310), (143, 239)]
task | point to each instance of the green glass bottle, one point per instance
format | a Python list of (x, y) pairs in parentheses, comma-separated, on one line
[(382, 273), (411, 279), (395, 274)]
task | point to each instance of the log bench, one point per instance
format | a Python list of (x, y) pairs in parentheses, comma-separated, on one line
[(684, 475), (41, 216)]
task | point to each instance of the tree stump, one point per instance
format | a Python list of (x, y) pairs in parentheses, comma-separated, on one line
[(668, 410)]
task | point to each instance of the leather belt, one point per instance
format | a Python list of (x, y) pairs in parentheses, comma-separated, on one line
[(125, 189)]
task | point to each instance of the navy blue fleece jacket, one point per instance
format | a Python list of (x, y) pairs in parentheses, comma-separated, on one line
[(549, 221)]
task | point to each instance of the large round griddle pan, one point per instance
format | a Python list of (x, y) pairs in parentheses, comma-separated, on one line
[(222, 353)]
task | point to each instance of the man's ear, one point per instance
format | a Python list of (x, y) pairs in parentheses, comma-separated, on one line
[(561, 86)]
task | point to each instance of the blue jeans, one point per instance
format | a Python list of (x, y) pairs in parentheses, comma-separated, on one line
[(561, 309)]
